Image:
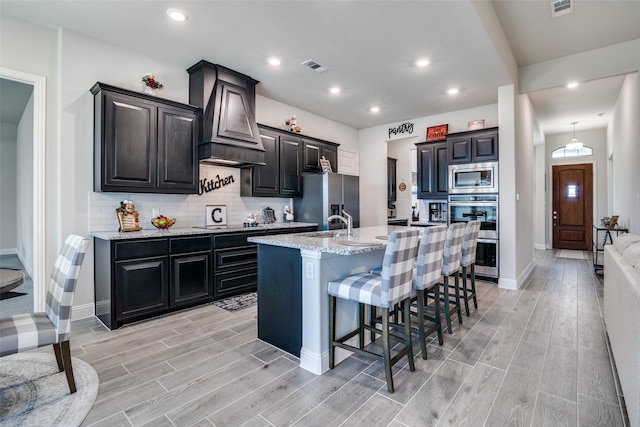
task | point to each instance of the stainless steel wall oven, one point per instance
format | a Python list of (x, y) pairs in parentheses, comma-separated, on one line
[(482, 207)]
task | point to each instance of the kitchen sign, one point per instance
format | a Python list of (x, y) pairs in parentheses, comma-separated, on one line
[(214, 184), (437, 133), (400, 129)]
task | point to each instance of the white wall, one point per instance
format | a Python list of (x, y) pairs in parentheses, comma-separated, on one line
[(8, 200), (401, 151), (24, 188), (623, 143), (595, 139), (540, 203), (373, 153)]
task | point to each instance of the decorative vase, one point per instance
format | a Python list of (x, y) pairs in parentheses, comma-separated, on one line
[(148, 90)]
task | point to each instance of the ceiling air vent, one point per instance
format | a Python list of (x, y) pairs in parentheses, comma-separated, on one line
[(561, 7), (318, 68)]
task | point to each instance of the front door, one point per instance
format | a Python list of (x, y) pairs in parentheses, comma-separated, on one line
[(572, 214)]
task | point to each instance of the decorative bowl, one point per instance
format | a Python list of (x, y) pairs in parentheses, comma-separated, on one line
[(162, 222)]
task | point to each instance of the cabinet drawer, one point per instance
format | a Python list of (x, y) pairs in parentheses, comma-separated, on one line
[(236, 257), (140, 249), (234, 239), (236, 281), (179, 245)]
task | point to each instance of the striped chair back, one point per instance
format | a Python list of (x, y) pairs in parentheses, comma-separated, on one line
[(63, 284), (430, 257), (453, 248), (470, 243), (397, 266)]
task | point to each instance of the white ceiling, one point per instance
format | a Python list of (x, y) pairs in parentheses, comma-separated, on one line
[(369, 46)]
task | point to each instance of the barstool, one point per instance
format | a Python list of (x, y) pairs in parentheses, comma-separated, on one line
[(450, 267), (392, 286), (427, 279), (468, 259)]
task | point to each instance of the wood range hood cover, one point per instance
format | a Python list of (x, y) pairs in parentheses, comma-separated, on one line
[(230, 135)]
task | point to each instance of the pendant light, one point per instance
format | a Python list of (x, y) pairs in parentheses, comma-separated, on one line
[(575, 143)]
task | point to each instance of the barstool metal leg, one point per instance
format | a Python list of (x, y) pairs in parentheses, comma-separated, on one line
[(456, 281), (465, 295), (473, 285), (421, 302), (447, 313), (436, 291), (407, 333)]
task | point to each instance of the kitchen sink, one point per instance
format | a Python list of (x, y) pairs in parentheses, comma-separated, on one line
[(357, 243), (322, 234)]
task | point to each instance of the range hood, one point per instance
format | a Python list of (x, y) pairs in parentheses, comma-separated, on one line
[(230, 135)]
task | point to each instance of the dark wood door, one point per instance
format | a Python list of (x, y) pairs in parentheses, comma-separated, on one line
[(441, 170), (141, 288), (129, 151), (177, 150), (311, 156), (392, 194), (191, 281), (266, 178), (572, 214), (330, 152), (290, 166)]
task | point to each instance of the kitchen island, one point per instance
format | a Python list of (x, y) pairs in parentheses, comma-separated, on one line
[(293, 273)]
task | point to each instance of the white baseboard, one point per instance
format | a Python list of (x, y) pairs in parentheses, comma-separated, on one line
[(27, 267), (9, 251), (540, 246), (520, 281), (507, 283), (83, 311)]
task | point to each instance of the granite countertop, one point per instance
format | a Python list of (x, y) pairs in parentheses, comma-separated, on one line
[(366, 239), (425, 223), (186, 231)]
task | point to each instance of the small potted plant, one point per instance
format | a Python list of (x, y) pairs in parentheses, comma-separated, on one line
[(150, 85)]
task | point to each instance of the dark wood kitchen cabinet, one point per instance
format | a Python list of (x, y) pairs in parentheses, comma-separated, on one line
[(313, 150), (144, 144), (281, 176), (191, 270), (141, 278), (473, 146), (392, 193), (433, 165)]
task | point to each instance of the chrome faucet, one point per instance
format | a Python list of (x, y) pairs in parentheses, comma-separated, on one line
[(347, 219)]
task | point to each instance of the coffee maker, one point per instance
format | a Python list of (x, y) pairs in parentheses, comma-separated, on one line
[(438, 212)]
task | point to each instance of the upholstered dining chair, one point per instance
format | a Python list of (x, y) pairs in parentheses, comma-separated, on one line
[(32, 330), (468, 260), (392, 286), (450, 267)]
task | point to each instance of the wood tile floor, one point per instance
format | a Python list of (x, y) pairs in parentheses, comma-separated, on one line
[(533, 357)]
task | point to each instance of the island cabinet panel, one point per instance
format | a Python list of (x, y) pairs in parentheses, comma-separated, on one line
[(280, 297), (433, 181), (144, 144)]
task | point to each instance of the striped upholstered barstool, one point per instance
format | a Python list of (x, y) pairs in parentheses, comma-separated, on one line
[(392, 286), (32, 330), (468, 260), (450, 267), (427, 279)]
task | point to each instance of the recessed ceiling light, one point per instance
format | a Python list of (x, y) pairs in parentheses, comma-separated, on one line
[(177, 15), (334, 90), (274, 61), (453, 91), (572, 85), (423, 62), (374, 109)]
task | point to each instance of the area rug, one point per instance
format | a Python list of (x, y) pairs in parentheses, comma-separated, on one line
[(573, 254), (34, 393), (238, 302)]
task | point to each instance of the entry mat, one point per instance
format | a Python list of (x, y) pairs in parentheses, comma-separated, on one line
[(573, 254), (238, 302)]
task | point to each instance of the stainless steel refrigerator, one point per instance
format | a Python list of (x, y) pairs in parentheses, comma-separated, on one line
[(325, 195)]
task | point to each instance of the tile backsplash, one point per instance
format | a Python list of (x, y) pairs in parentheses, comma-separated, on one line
[(189, 210)]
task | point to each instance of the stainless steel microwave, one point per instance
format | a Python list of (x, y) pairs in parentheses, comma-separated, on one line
[(471, 178)]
